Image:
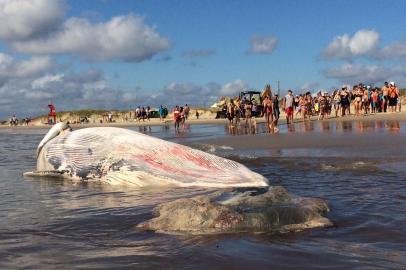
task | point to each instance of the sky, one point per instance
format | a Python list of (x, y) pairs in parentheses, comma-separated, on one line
[(122, 54)]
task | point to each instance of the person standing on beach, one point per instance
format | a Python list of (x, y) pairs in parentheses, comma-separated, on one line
[(374, 100), (385, 96), (309, 105), (13, 121), (176, 118), (336, 102), (248, 115), (276, 112), (358, 93), (148, 113), (268, 111), (143, 114), (297, 106), (138, 113), (288, 105), (182, 117), (393, 96), (161, 112), (303, 106), (187, 111), (322, 106), (230, 113), (365, 101), (345, 100), (237, 111)]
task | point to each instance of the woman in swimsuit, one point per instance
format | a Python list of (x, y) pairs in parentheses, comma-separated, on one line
[(322, 107), (268, 109), (336, 101), (358, 93), (302, 104), (248, 115)]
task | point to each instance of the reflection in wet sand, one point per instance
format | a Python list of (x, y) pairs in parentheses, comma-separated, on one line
[(358, 127)]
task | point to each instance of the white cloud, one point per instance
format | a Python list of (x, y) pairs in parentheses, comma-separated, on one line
[(12, 68), (46, 81), (124, 38), (197, 95), (233, 88), (397, 49), (263, 44), (361, 73), (362, 43), (29, 95), (309, 86), (70, 90), (25, 19)]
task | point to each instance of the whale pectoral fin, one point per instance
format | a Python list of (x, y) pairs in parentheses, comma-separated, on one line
[(48, 174)]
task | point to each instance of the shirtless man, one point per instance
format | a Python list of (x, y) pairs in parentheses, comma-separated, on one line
[(385, 94), (393, 96)]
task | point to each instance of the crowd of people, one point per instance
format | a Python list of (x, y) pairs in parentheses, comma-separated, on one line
[(361, 98), (357, 100), (364, 100), (14, 121)]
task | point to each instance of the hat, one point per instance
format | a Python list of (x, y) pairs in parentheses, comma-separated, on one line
[(392, 83)]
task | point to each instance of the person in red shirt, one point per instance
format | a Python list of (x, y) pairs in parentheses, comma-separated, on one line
[(176, 117)]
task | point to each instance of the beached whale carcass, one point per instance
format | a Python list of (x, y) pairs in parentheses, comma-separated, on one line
[(122, 156)]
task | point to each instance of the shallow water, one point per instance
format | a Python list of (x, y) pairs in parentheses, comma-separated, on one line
[(48, 224)]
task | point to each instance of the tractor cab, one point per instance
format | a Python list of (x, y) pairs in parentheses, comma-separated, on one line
[(255, 98)]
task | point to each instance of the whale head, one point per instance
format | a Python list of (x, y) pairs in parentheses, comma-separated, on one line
[(56, 130)]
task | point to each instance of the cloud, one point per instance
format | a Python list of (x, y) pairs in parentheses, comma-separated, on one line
[(70, 90), (27, 19), (205, 95), (12, 68), (310, 86), (46, 81), (397, 49), (362, 43), (263, 44), (198, 53), (124, 38), (356, 73), (233, 88)]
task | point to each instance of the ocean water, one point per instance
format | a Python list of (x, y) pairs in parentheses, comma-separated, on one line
[(54, 224)]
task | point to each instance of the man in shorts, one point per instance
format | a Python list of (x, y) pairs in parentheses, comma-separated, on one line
[(393, 97), (288, 105), (385, 95)]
